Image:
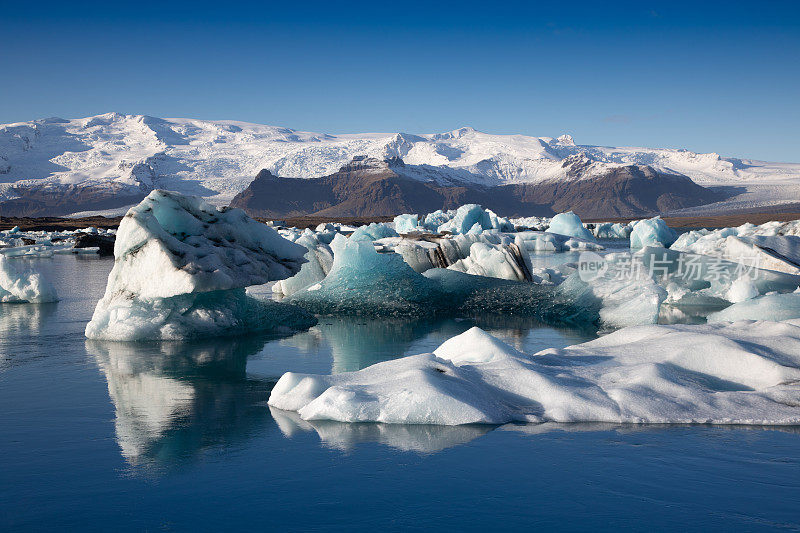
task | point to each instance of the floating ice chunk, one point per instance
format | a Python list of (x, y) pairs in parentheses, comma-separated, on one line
[(193, 316), (407, 223), (779, 253), (494, 261), (32, 250), (704, 277), (742, 373), (180, 268), (172, 244), (743, 288), (569, 224), (320, 260), (608, 230), (20, 285), (365, 282), (373, 232), (619, 287), (362, 280), (652, 232), (473, 218), (767, 307)]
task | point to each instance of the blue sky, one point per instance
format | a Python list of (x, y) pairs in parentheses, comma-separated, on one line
[(707, 76)]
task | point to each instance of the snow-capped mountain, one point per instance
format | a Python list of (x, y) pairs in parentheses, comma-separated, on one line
[(108, 160)]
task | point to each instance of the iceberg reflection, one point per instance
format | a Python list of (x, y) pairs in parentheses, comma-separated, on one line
[(173, 400), (405, 437)]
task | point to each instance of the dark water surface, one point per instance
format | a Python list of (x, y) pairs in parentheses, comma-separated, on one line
[(175, 436)]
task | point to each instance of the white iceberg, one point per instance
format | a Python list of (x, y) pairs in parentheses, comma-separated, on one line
[(23, 285), (471, 218), (609, 230), (767, 307), (373, 232), (180, 269), (407, 223), (740, 373), (652, 232), (569, 224), (319, 261)]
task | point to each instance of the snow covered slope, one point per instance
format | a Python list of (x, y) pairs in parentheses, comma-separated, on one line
[(129, 155)]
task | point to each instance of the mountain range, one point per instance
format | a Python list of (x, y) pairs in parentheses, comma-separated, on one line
[(103, 164)]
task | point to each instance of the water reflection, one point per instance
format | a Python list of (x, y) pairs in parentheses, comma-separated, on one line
[(405, 437), (355, 343), (174, 400), (21, 325)]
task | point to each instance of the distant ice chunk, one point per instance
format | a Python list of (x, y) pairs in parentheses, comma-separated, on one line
[(741, 373), (609, 230), (767, 307), (407, 223), (373, 232), (23, 285), (569, 224), (180, 270), (472, 218), (652, 232)]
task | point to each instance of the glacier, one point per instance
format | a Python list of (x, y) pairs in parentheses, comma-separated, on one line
[(180, 271), (744, 373), (133, 154)]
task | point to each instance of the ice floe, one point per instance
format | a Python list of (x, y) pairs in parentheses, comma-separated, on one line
[(732, 373)]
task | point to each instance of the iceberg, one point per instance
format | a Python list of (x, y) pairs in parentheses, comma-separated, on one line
[(621, 290), (652, 232), (180, 271), (741, 373), (24, 285), (407, 223), (373, 232), (471, 218), (608, 230), (569, 224), (319, 261), (365, 282), (768, 307)]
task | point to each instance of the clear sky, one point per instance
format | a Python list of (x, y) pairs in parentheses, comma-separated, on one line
[(707, 76)]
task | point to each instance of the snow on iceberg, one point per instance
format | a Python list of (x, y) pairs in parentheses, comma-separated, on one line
[(569, 224), (23, 285), (180, 271), (740, 373)]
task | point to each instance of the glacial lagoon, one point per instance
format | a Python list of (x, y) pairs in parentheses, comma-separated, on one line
[(149, 436)]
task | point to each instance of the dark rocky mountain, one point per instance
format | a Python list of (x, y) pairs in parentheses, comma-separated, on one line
[(60, 199), (370, 187)]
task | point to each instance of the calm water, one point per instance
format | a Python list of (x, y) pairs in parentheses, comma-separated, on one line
[(105, 436)]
